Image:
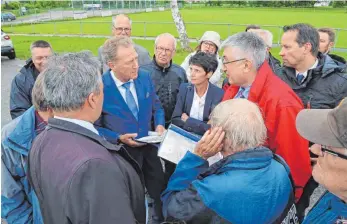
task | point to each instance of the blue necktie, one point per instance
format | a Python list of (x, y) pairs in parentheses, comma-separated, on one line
[(300, 77), (130, 99), (241, 93)]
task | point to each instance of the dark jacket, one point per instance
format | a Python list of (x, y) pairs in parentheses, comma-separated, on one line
[(184, 104), (338, 58), (21, 87), (246, 187), (324, 87), (166, 82), (81, 178)]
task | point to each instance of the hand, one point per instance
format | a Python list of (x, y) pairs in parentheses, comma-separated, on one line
[(184, 117), (210, 144), (160, 129), (128, 139)]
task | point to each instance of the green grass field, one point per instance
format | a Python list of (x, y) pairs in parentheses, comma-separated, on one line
[(274, 17), (73, 44)]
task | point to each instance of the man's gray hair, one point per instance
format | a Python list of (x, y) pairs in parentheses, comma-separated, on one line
[(111, 46), (166, 35), (40, 44), (120, 15), (266, 35), (242, 122), (247, 45), (69, 79), (37, 95)]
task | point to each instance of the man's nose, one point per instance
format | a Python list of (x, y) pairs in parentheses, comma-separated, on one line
[(316, 149)]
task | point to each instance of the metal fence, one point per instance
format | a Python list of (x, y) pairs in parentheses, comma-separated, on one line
[(149, 30)]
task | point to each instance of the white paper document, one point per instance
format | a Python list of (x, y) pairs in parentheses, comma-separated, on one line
[(177, 142)]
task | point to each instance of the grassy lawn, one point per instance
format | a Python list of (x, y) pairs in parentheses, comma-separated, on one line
[(72, 44), (146, 24)]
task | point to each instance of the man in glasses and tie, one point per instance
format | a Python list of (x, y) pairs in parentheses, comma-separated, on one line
[(327, 128), (252, 78), (130, 103), (121, 26)]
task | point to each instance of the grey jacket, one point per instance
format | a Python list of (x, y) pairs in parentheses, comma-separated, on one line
[(324, 87), (143, 57)]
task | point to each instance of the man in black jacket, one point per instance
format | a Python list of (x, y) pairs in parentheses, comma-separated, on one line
[(326, 42), (77, 175), (23, 82), (167, 76), (318, 80)]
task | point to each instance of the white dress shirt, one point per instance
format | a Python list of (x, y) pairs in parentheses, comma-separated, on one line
[(305, 73), (197, 110), (122, 89), (82, 123)]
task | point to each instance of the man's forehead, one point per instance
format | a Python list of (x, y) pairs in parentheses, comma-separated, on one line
[(165, 40), (122, 21), (41, 50)]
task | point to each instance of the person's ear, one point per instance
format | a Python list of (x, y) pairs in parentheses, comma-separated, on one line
[(307, 48), (331, 45), (110, 65), (92, 100), (247, 66), (209, 74)]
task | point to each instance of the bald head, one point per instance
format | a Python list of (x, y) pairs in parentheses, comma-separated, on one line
[(265, 35), (121, 25), (242, 123)]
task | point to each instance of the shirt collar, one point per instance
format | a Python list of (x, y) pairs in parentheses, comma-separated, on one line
[(312, 67), (203, 96), (82, 123), (117, 81)]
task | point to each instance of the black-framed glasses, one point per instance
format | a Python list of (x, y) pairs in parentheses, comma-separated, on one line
[(333, 153), (166, 50), (229, 62)]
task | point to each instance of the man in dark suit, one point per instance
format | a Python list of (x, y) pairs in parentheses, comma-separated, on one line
[(130, 102), (77, 175)]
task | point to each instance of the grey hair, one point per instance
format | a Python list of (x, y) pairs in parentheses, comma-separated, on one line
[(306, 34), (69, 79), (166, 35), (120, 15), (40, 44), (266, 35), (111, 46), (249, 45), (242, 122), (37, 95)]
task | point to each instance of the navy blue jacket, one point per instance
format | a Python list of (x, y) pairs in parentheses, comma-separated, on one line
[(184, 104), (21, 87), (116, 118), (329, 209), (246, 187)]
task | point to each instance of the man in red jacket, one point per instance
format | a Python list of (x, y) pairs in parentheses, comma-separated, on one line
[(251, 77)]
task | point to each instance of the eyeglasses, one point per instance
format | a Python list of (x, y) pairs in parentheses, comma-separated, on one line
[(162, 49), (333, 153), (209, 44), (121, 29), (229, 62)]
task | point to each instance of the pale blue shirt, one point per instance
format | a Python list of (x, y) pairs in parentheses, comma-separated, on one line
[(82, 123), (245, 92)]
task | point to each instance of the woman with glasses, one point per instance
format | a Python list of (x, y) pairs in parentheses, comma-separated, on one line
[(196, 100), (209, 43)]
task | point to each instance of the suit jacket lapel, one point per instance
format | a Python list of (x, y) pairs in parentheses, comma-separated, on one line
[(189, 98), (112, 94), (208, 102)]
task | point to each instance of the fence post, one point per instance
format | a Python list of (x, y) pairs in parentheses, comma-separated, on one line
[(336, 38), (81, 28), (144, 27)]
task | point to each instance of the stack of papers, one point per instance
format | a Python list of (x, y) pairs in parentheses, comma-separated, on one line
[(177, 142)]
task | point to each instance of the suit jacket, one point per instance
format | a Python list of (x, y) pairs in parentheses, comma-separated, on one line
[(184, 104), (116, 118), (79, 177), (143, 57)]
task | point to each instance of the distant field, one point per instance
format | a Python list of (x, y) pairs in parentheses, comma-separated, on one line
[(72, 44), (274, 17)]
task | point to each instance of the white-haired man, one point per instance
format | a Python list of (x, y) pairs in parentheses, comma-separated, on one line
[(121, 26), (249, 185), (251, 77)]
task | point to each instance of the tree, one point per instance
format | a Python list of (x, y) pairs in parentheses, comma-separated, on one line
[(180, 26)]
